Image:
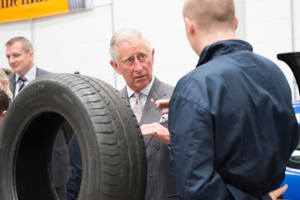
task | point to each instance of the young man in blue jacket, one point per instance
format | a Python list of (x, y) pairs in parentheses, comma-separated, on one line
[(231, 119)]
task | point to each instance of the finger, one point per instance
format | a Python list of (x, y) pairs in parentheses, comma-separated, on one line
[(281, 190), (148, 133), (165, 110), (275, 194), (149, 130), (162, 103)]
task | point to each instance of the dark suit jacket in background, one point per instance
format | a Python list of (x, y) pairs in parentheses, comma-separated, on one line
[(12, 79), (159, 183), (60, 155)]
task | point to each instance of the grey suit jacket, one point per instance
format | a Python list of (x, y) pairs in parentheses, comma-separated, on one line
[(60, 156), (159, 183), (12, 79)]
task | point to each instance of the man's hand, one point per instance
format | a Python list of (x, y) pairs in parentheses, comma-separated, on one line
[(156, 130), (163, 104), (275, 194)]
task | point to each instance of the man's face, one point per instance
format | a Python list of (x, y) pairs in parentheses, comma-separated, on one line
[(134, 64), (19, 61)]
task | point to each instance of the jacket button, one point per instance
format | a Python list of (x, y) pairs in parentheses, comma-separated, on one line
[(157, 147)]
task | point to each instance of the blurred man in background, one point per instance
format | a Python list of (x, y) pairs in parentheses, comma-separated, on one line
[(19, 53)]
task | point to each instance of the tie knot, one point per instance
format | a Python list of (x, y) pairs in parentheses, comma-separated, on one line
[(22, 79), (137, 95), (137, 107), (21, 82)]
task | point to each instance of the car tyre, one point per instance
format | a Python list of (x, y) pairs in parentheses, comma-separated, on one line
[(112, 148)]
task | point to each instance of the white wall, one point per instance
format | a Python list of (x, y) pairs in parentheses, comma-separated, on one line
[(79, 41), (66, 43), (269, 28), (75, 42), (296, 4)]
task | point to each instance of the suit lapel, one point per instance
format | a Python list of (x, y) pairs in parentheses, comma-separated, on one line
[(40, 72), (12, 79), (150, 113), (12, 83)]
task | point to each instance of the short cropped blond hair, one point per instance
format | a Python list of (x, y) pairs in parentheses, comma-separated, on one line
[(27, 46), (210, 13)]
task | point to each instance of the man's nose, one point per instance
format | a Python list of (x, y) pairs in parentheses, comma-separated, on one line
[(137, 65)]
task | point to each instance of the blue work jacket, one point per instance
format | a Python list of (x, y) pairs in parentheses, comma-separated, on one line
[(232, 125)]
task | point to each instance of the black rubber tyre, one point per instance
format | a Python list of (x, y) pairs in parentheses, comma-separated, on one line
[(112, 147)]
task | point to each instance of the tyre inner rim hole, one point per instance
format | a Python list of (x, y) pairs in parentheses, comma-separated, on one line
[(33, 160)]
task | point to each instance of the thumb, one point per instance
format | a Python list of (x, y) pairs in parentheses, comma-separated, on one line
[(275, 194)]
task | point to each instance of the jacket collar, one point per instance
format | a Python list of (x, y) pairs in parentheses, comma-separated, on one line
[(222, 47)]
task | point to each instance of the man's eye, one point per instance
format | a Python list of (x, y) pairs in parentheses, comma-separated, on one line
[(129, 61), (15, 55), (141, 57)]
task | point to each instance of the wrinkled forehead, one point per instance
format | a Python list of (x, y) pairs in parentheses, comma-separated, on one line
[(133, 46)]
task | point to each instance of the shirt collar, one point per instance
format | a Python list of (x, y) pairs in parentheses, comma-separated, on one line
[(222, 47), (145, 91), (30, 75)]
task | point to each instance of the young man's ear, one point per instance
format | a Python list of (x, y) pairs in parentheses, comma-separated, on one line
[(235, 23), (189, 26), (115, 66)]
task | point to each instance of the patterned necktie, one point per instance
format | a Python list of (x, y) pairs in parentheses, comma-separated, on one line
[(137, 107), (21, 82)]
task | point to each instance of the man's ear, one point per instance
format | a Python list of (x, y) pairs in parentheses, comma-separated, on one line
[(30, 54), (115, 66), (152, 54), (189, 26), (235, 23)]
